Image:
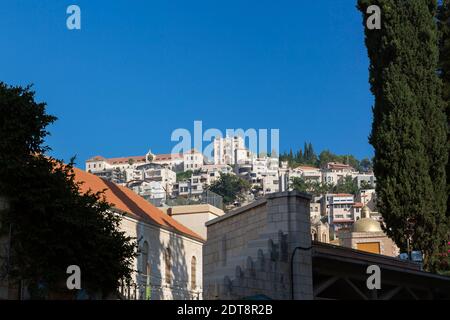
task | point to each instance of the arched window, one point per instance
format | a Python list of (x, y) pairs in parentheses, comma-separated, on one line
[(168, 263), (324, 237), (193, 273), (313, 235)]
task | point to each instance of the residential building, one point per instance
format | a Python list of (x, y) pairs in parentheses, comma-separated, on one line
[(194, 186), (367, 178), (308, 173), (213, 171), (230, 150), (369, 198), (341, 210), (334, 172), (192, 160)]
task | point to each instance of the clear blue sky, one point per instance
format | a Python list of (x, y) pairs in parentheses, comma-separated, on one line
[(139, 69)]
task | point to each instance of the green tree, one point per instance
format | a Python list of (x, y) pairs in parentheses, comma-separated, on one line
[(299, 184), (444, 71), (409, 127), (313, 187), (346, 185), (185, 175), (50, 222), (231, 187), (366, 165)]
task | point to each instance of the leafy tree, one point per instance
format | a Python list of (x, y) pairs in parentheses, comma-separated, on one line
[(50, 222), (313, 187), (231, 187), (346, 185), (300, 185), (409, 127), (366, 165), (185, 175), (366, 185)]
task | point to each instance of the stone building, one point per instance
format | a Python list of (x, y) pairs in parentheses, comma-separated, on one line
[(367, 235), (248, 250), (169, 264)]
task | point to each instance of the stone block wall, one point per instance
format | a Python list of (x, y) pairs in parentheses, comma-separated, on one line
[(248, 251)]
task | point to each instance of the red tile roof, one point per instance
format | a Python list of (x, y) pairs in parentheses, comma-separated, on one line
[(126, 200), (160, 157)]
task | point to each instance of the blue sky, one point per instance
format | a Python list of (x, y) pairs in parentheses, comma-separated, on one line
[(139, 69)]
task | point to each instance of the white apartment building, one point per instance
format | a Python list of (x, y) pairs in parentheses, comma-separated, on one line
[(192, 187), (368, 178), (341, 209), (192, 160), (333, 172), (212, 171), (230, 150), (308, 173), (368, 198), (99, 163)]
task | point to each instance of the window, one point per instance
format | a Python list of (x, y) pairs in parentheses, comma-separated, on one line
[(168, 265), (193, 273)]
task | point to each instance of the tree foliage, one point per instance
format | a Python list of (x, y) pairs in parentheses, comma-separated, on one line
[(443, 18), (231, 187), (346, 185), (409, 127), (307, 156), (51, 223)]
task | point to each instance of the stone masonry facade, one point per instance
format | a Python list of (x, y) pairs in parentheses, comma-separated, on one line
[(248, 251)]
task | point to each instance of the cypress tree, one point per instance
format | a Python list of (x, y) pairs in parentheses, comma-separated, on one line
[(409, 124), (444, 71)]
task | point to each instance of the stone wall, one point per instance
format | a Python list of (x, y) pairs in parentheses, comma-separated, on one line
[(248, 251), (183, 249)]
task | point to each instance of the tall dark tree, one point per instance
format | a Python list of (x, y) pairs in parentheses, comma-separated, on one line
[(49, 222), (444, 68), (409, 126), (444, 71)]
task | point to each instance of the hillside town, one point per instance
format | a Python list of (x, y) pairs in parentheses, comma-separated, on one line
[(235, 220), (173, 180)]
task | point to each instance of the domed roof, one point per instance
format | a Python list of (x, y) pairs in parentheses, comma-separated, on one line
[(366, 224)]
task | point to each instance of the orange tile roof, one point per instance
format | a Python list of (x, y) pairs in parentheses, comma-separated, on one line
[(126, 200), (169, 156)]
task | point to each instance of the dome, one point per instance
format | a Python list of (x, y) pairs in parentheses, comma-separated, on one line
[(367, 225)]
